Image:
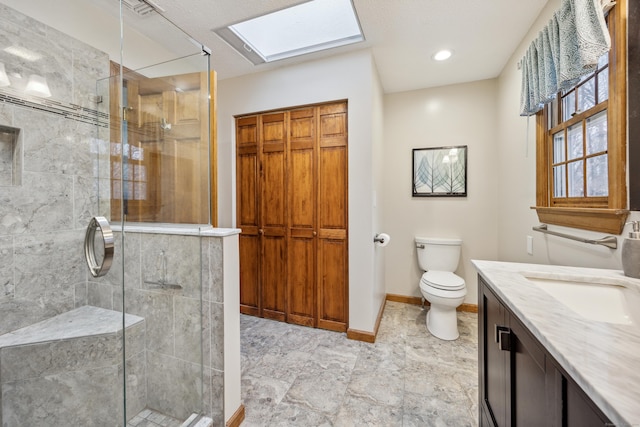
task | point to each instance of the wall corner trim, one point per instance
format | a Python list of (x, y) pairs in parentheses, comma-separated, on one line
[(370, 337), (237, 418)]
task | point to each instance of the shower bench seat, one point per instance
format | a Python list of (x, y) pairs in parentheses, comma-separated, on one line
[(67, 370)]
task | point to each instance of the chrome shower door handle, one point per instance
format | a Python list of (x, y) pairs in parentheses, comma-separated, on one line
[(90, 249)]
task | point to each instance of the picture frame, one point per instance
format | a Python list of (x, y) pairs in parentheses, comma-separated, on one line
[(439, 171)]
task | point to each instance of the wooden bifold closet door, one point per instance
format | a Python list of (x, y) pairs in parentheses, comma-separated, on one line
[(291, 172)]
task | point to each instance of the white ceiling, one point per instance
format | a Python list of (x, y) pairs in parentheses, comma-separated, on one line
[(402, 34)]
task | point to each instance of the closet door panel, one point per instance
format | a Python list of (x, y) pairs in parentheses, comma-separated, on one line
[(273, 208), (247, 200), (332, 210), (302, 125), (274, 178), (302, 189), (332, 287), (332, 197), (248, 215), (273, 277), (301, 302), (302, 223), (302, 169), (273, 195), (247, 177), (332, 173), (249, 275)]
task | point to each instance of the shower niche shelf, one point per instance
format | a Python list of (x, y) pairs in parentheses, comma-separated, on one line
[(10, 157)]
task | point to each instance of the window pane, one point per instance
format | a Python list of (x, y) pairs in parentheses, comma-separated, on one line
[(128, 171), (115, 191), (116, 170), (128, 190), (603, 60), (137, 153), (559, 181), (603, 85), (568, 106), (140, 173), (597, 133), (558, 147), (576, 179), (597, 176), (587, 95), (140, 190), (574, 145)]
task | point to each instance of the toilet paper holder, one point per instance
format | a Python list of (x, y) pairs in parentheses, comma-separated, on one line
[(381, 238)]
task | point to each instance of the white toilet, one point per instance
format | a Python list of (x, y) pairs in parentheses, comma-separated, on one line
[(444, 290)]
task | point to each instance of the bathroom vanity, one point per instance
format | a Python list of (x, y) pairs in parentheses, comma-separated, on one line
[(558, 346)]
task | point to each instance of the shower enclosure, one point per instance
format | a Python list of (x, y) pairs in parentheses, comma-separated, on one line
[(105, 138)]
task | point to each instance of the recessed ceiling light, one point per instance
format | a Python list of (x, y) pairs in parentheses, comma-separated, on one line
[(305, 28), (442, 55)]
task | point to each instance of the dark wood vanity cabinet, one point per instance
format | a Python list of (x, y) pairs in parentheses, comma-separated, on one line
[(520, 383)]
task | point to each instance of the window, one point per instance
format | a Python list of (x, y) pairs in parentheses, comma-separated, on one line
[(581, 145), (298, 30), (134, 172)]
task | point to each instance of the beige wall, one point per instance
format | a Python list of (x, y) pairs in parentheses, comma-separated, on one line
[(516, 155), (463, 114), (496, 218), (350, 76)]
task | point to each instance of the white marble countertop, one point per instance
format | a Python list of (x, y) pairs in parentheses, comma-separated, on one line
[(603, 358)]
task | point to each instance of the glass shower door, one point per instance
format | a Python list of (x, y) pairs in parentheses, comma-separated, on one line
[(159, 193), (155, 190)]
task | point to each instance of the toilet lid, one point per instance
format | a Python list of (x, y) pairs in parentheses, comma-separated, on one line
[(444, 280)]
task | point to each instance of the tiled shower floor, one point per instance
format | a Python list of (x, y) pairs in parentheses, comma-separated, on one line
[(149, 418), (297, 376)]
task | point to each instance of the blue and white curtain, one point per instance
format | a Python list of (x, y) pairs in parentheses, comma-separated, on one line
[(564, 51)]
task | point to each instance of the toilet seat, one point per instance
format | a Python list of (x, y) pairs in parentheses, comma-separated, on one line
[(444, 280)]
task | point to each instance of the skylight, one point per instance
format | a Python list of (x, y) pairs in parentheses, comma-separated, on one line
[(305, 28)]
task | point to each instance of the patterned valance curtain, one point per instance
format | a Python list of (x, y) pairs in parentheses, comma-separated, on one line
[(565, 50)]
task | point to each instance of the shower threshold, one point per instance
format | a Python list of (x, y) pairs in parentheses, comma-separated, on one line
[(151, 418)]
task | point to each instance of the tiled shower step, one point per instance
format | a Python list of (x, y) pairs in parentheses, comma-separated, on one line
[(151, 418)]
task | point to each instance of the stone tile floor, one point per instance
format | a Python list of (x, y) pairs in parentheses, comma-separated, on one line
[(299, 376)]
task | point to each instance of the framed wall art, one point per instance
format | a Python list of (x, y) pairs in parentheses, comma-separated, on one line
[(440, 171)]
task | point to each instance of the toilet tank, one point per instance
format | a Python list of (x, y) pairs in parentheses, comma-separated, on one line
[(438, 254)]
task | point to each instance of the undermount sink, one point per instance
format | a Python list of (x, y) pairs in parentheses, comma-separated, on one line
[(595, 298)]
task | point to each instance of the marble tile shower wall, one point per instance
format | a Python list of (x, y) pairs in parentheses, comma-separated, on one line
[(181, 330), (42, 220)]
